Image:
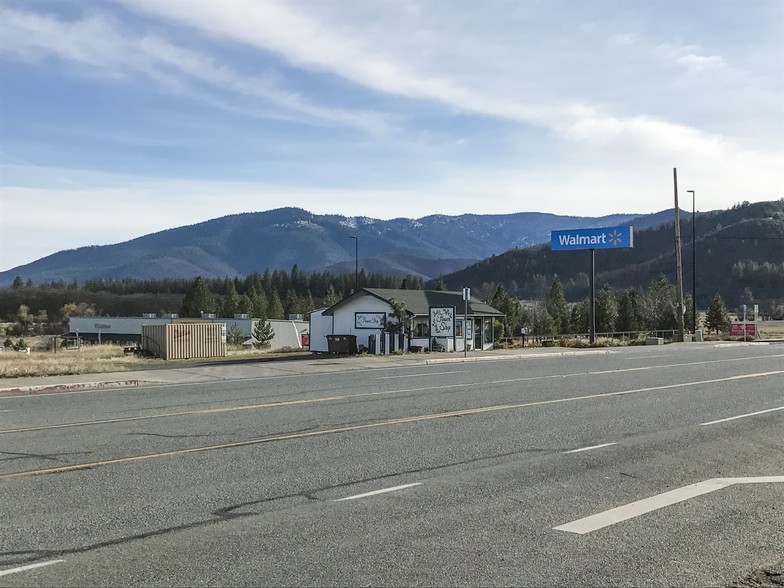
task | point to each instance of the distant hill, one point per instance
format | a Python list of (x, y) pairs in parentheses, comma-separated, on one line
[(736, 249), (238, 245)]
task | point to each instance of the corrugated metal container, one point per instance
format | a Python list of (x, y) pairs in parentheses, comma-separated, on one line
[(185, 340)]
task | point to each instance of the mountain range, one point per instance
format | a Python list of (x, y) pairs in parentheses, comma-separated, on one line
[(238, 245), (739, 253)]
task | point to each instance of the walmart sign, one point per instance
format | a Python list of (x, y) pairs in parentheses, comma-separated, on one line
[(609, 238)]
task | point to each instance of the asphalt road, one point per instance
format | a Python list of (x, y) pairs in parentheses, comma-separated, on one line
[(459, 473)]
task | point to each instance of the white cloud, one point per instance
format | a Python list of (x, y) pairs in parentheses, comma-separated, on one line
[(564, 107), (98, 42)]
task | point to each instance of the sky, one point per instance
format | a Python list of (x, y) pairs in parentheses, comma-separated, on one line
[(119, 118)]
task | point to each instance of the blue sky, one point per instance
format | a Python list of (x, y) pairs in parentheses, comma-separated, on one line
[(124, 117)]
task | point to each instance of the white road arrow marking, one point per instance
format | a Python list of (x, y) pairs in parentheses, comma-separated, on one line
[(635, 509), (30, 567)]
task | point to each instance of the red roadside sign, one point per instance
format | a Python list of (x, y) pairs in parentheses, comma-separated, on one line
[(737, 330)]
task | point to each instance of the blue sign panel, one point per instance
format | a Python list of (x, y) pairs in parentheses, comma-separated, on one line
[(608, 238)]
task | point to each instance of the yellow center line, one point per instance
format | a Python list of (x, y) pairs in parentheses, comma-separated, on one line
[(349, 396), (389, 422), (174, 414)]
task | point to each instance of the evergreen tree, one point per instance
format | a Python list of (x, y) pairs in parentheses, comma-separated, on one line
[(542, 323), (275, 308), (293, 304), (606, 310), (197, 299), (230, 301), (258, 302), (658, 305), (558, 308), (717, 318), (628, 312), (234, 335), (511, 308), (332, 297), (263, 333), (306, 304), (580, 320), (244, 305), (441, 286)]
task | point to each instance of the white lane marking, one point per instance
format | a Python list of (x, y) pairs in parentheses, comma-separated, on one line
[(635, 509), (30, 567), (589, 448), (319, 374), (742, 416), (8, 410), (391, 392), (322, 374), (419, 375), (393, 489)]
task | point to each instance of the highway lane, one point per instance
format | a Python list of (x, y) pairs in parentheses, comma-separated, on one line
[(186, 501)]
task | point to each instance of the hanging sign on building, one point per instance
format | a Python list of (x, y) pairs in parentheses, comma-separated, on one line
[(442, 321)]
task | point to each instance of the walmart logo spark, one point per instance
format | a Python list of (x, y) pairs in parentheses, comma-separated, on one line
[(614, 237)]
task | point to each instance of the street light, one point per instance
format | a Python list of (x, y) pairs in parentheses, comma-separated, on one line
[(356, 262), (693, 263)]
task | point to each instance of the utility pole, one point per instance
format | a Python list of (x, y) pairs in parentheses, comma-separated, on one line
[(678, 264)]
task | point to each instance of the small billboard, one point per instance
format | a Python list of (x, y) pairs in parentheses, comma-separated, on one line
[(743, 329)]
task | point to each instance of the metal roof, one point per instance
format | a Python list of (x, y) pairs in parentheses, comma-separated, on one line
[(418, 302)]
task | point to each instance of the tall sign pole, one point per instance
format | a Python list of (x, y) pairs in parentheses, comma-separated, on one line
[(466, 296), (678, 263), (592, 297)]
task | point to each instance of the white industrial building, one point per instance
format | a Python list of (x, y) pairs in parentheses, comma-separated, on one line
[(128, 330)]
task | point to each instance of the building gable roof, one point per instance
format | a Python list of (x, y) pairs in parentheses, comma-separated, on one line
[(418, 302)]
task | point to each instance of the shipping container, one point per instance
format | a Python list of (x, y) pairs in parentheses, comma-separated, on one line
[(185, 340)]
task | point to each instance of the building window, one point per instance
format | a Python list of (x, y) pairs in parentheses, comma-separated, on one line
[(459, 328), (421, 327)]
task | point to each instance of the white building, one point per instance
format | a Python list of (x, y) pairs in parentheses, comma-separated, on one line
[(432, 320), (129, 329)]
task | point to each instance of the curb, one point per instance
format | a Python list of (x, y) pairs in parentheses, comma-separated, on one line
[(49, 388), (520, 356)]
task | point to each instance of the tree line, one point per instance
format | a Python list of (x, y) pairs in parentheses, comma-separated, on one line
[(277, 294), (617, 311)]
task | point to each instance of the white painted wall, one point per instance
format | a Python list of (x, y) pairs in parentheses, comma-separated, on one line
[(320, 327), (113, 325), (344, 319), (288, 333)]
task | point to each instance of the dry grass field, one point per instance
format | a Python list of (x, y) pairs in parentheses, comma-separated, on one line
[(771, 329), (86, 360), (110, 358)]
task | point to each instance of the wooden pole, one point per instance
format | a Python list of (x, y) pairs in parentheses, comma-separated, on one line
[(678, 263)]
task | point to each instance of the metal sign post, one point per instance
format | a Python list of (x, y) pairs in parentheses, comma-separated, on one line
[(592, 296), (466, 296), (744, 322)]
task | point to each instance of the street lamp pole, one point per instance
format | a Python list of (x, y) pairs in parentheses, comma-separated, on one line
[(356, 262), (693, 261)]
